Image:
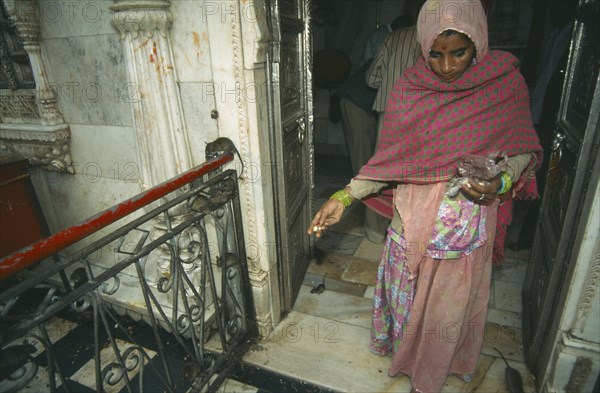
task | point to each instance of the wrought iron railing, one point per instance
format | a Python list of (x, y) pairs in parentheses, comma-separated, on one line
[(131, 299)]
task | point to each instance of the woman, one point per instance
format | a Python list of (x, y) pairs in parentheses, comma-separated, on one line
[(433, 283)]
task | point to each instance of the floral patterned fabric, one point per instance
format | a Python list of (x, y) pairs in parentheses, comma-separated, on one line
[(392, 298), (459, 229)]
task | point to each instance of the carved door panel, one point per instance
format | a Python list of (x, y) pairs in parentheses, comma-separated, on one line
[(290, 110), (575, 148)]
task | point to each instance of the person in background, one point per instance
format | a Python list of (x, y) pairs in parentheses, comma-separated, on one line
[(358, 120), (362, 98), (398, 52), (377, 38), (460, 105)]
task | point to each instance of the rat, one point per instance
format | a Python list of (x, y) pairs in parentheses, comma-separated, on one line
[(319, 289), (222, 145), (222, 192), (512, 378), (14, 357), (200, 204), (190, 372)]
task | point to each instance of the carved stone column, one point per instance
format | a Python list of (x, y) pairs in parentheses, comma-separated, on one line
[(163, 146), (26, 19), (158, 115), (239, 36)]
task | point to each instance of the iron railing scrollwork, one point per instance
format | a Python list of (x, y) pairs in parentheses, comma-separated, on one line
[(144, 299)]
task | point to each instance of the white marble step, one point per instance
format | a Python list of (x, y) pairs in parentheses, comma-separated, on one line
[(324, 341)]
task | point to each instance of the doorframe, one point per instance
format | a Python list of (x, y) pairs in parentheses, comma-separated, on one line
[(581, 278), (570, 278)]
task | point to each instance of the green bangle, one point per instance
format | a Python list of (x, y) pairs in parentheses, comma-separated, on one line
[(343, 197), (506, 183)]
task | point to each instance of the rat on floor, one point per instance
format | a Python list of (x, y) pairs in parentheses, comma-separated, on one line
[(319, 289), (512, 378)]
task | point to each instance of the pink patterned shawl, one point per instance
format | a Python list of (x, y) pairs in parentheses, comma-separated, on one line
[(429, 125)]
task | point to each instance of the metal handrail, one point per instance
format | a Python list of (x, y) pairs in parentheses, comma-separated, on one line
[(178, 268), (29, 255)]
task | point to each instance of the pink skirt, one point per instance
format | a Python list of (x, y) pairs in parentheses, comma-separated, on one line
[(435, 323)]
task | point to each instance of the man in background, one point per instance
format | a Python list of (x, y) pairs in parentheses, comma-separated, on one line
[(398, 52)]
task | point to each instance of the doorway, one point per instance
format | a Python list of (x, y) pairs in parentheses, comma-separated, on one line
[(531, 31), (346, 27)]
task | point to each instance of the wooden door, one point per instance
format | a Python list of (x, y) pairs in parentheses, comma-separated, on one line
[(289, 80), (574, 150)]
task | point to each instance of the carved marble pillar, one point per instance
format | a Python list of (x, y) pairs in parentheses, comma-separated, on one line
[(239, 38), (26, 19), (39, 134), (575, 362), (158, 115), (163, 146)]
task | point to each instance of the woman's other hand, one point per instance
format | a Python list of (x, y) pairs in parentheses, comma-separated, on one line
[(329, 214), (482, 192)]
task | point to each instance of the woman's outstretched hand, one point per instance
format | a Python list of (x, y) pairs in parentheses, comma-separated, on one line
[(485, 192), (329, 214)]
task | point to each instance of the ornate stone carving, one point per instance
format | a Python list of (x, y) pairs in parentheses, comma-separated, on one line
[(26, 19), (161, 133), (244, 150), (134, 17), (18, 106), (46, 146), (589, 292), (25, 16), (8, 68), (261, 285), (31, 125)]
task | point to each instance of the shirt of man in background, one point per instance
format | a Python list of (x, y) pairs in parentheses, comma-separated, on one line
[(361, 109), (356, 98), (399, 51)]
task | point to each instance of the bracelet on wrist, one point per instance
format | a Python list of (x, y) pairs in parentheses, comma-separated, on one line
[(343, 197), (499, 190), (506, 184)]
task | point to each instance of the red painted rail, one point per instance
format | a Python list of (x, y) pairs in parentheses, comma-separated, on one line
[(27, 256)]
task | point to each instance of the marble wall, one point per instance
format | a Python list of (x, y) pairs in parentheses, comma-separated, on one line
[(143, 87), (86, 70)]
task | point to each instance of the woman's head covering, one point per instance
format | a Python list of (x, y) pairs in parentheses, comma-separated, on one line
[(465, 16)]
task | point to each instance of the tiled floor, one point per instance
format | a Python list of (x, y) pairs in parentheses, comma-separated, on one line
[(324, 340)]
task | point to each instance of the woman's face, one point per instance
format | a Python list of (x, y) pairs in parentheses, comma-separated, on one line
[(450, 56)]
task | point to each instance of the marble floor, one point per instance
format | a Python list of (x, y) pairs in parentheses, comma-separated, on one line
[(324, 340)]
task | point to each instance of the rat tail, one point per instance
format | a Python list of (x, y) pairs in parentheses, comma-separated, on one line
[(503, 358)]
